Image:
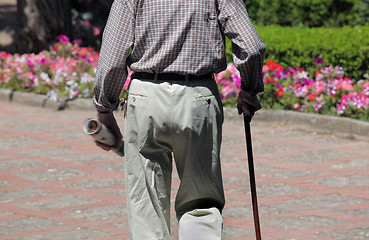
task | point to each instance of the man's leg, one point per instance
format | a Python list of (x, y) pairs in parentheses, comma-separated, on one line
[(200, 198), (148, 165)]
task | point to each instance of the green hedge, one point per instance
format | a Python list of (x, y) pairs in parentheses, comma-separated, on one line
[(298, 46), (311, 13)]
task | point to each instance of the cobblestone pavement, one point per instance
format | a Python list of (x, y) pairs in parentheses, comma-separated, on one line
[(56, 185)]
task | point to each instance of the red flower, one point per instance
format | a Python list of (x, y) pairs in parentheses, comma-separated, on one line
[(312, 96), (274, 66), (280, 92), (269, 80), (56, 47)]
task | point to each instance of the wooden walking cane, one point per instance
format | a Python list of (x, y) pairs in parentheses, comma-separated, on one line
[(250, 158)]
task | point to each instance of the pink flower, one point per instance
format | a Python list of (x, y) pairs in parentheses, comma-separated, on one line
[(319, 61), (30, 75), (43, 61), (96, 31), (319, 86), (338, 85), (296, 106), (347, 86), (63, 39), (87, 23), (30, 64), (232, 68), (77, 42)]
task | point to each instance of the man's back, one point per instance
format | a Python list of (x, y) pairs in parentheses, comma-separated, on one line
[(180, 36), (177, 36)]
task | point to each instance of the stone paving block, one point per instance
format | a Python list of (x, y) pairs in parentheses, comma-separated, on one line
[(329, 139), (75, 234), (121, 224), (5, 156), (285, 133), (118, 193), (97, 213), (233, 179), (284, 238), (234, 139), (347, 234), (343, 181), (67, 134), (272, 148), (335, 201), (278, 189), (64, 201), (231, 167), (52, 151), (233, 232), (302, 222), (315, 156), (22, 194), (246, 211), (241, 190), (4, 184), (36, 127), (83, 158), (296, 174), (117, 166), (18, 142), (362, 212), (53, 174), (95, 183), (20, 164), (5, 213), (362, 163), (14, 121), (26, 224)]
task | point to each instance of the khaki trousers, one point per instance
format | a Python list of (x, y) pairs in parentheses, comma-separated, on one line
[(180, 119)]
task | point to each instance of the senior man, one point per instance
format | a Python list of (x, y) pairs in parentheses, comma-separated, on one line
[(173, 109)]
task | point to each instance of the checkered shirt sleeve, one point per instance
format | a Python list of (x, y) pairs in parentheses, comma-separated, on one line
[(175, 36), (247, 47), (111, 71)]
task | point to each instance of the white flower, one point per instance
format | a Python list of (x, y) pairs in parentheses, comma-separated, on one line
[(86, 93), (53, 95), (86, 78)]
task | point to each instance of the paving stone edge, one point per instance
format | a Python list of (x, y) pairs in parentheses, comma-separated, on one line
[(322, 122)]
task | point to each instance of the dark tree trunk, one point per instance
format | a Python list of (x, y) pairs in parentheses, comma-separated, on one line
[(40, 22)]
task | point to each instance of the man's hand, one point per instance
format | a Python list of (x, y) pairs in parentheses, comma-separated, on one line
[(247, 104), (109, 121)]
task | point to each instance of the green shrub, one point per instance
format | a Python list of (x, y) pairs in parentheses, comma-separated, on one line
[(296, 46), (311, 13)]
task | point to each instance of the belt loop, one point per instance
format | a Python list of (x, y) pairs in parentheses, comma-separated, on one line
[(156, 77), (187, 79)]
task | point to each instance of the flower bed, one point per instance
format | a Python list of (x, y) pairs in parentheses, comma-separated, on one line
[(328, 92), (67, 71)]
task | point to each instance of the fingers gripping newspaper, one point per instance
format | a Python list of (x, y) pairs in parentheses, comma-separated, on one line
[(101, 133)]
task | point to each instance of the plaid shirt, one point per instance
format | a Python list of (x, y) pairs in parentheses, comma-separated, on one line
[(176, 36)]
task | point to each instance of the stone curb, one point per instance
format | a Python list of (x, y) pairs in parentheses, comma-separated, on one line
[(322, 122), (40, 100)]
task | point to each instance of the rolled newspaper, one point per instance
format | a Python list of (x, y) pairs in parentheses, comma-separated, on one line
[(101, 133)]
